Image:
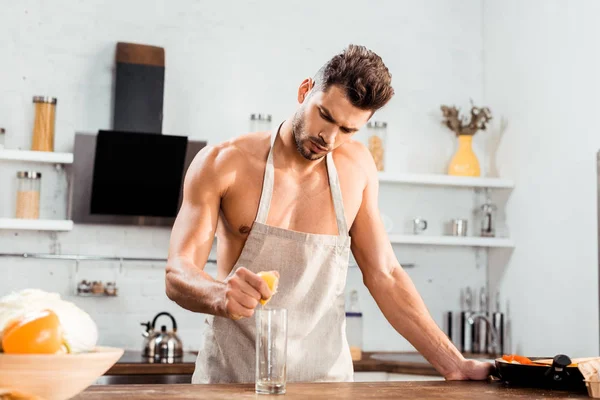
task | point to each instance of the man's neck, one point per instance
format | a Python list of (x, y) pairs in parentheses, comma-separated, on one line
[(287, 155)]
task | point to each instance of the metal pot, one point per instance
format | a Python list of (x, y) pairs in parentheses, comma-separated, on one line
[(162, 346)]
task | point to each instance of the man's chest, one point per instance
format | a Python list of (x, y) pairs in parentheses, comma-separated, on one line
[(298, 204)]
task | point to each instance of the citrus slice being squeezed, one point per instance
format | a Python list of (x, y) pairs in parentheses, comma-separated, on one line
[(38, 332), (272, 280)]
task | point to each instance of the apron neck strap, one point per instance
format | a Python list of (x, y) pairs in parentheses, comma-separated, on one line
[(269, 180), (336, 195)]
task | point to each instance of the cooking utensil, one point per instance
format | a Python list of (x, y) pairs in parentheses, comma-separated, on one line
[(559, 375), (498, 322), (467, 333), (469, 299), (164, 346)]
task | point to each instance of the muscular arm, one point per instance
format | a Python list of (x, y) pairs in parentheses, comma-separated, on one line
[(192, 237), (394, 291), (187, 284)]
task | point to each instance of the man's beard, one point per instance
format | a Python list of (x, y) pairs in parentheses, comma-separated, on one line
[(301, 138)]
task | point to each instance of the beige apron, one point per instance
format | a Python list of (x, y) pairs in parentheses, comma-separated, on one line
[(312, 270)]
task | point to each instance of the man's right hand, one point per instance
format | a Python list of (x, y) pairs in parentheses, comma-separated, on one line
[(243, 291)]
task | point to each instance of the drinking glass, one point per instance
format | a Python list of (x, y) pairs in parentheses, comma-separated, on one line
[(271, 350)]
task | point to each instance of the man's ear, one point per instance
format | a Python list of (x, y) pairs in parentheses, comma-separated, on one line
[(305, 87)]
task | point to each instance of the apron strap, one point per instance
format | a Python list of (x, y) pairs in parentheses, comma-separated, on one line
[(267, 188), (334, 185), (336, 195)]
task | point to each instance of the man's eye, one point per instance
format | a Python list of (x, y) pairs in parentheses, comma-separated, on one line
[(325, 117)]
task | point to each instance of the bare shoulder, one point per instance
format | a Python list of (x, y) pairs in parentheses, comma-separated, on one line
[(354, 159), (216, 165)]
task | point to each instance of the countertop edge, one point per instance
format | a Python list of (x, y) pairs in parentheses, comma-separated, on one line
[(366, 364)]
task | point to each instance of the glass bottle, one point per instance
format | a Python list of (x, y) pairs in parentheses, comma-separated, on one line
[(354, 327), (2, 138), (28, 194), (377, 132)]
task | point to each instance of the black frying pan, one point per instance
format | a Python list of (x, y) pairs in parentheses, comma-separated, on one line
[(558, 376)]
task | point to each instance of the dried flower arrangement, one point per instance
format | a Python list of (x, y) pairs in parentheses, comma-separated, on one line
[(463, 125)]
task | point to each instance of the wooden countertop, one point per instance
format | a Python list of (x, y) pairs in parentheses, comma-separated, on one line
[(327, 391), (132, 363)]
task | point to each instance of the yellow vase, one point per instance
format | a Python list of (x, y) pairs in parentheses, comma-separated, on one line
[(464, 162)]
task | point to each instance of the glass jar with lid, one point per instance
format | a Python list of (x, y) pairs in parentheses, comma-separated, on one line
[(376, 134), (28, 194), (43, 127), (260, 122)]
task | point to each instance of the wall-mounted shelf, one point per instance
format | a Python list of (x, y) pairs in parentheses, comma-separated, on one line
[(451, 240), (36, 156), (36, 224), (446, 180)]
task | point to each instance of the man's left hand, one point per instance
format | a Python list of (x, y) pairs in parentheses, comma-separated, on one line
[(472, 370)]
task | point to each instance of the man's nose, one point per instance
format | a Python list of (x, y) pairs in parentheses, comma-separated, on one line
[(329, 134)]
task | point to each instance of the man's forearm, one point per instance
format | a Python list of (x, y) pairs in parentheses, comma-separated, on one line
[(404, 308), (193, 289)]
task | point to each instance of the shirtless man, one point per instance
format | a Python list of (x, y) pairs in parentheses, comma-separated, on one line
[(296, 201)]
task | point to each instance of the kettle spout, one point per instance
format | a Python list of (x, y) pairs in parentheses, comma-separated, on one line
[(146, 333)]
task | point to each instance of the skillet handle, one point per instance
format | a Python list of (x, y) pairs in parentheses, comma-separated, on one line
[(558, 371)]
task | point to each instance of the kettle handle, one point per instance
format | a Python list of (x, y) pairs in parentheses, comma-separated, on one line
[(168, 315)]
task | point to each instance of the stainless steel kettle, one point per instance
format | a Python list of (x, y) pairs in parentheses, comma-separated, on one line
[(162, 346)]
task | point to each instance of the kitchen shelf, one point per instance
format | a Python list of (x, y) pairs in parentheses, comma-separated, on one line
[(36, 224), (446, 180), (36, 156), (451, 240)]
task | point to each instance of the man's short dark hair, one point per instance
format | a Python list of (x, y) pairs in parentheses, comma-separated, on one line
[(361, 74)]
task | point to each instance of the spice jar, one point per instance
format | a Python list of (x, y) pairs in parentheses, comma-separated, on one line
[(97, 287), (28, 194), (110, 289), (376, 142), (43, 127), (84, 287), (260, 122), (2, 138)]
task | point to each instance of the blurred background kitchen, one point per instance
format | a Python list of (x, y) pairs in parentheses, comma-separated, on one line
[(534, 64)]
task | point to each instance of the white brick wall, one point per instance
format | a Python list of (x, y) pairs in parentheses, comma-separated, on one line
[(224, 61)]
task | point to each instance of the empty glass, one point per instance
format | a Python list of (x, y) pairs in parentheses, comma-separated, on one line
[(271, 350)]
